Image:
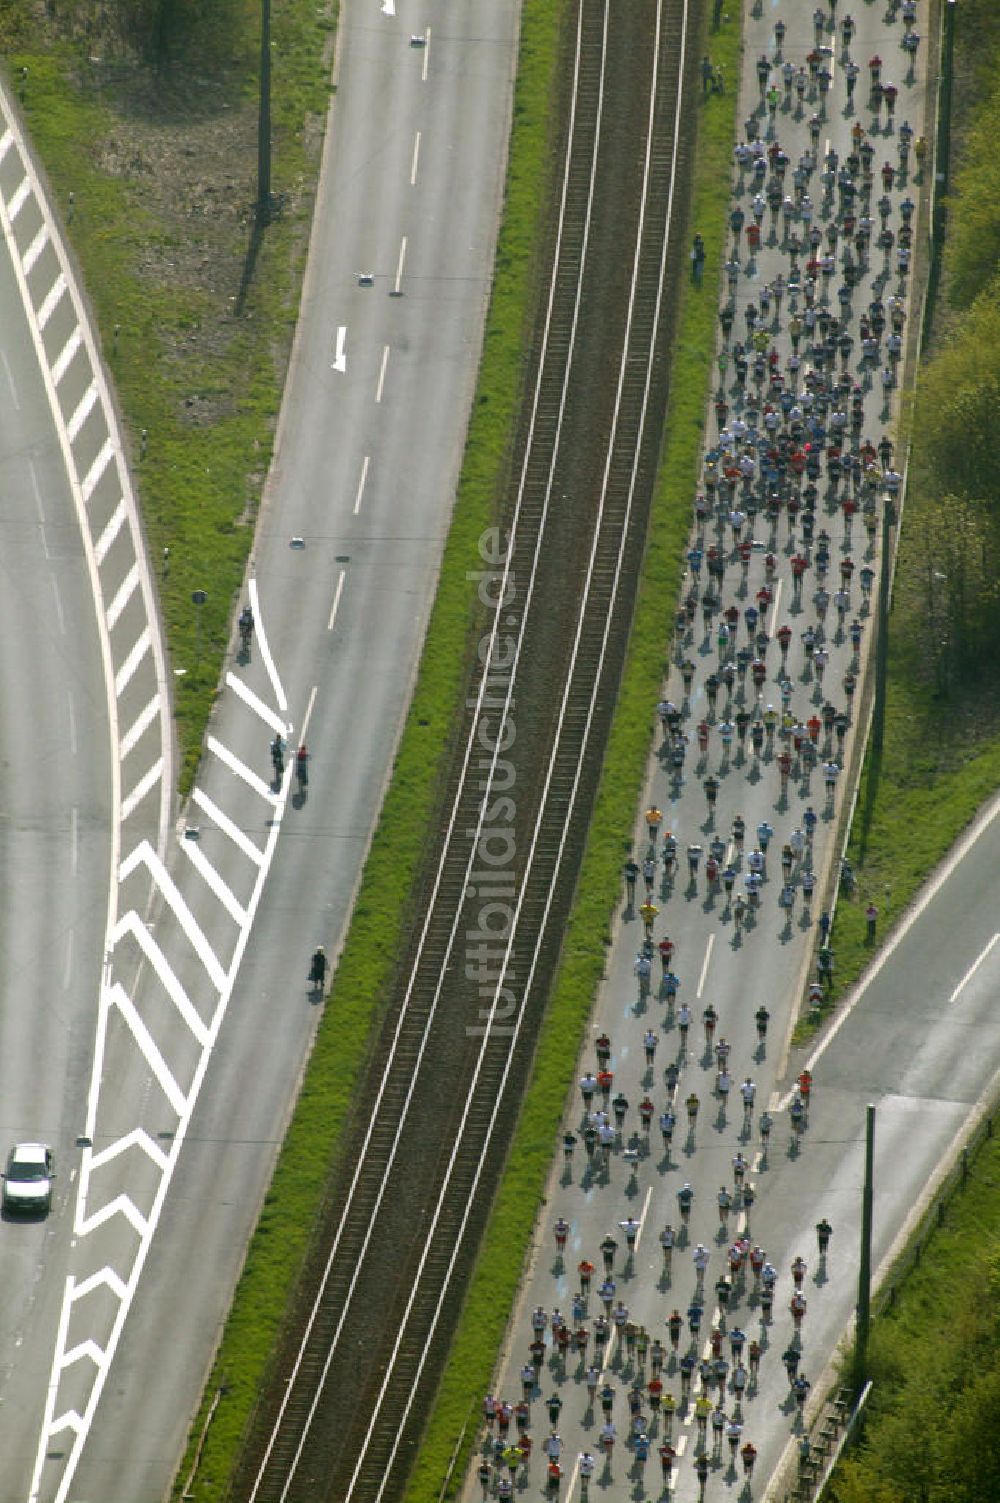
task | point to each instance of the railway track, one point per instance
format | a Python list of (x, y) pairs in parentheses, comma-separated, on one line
[(360, 1364)]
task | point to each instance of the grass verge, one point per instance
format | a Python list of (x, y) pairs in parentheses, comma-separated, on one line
[(451, 1429), (933, 1361), (365, 969)]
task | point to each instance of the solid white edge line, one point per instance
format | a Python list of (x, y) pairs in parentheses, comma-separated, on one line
[(974, 967)]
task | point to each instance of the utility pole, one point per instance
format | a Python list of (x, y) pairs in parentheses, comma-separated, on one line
[(882, 629), (865, 1270), (263, 211)]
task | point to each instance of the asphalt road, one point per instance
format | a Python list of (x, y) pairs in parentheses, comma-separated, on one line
[(924, 1086), (344, 567), (55, 849)]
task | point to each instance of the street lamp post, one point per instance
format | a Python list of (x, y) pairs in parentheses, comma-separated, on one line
[(263, 211), (198, 598)]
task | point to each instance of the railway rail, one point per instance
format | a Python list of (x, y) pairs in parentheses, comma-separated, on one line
[(362, 1358)]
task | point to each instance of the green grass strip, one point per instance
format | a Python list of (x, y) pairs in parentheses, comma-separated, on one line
[(933, 1358), (452, 1427), (365, 970)]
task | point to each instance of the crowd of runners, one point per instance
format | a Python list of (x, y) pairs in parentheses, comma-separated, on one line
[(769, 642)]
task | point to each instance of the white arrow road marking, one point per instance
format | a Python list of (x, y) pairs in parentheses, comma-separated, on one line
[(388, 8), (340, 359)]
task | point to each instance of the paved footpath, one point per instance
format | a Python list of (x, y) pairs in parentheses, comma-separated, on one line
[(758, 719)]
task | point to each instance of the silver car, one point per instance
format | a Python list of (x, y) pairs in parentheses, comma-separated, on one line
[(27, 1181)]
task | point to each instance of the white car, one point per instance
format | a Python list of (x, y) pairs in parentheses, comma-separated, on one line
[(27, 1181)]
